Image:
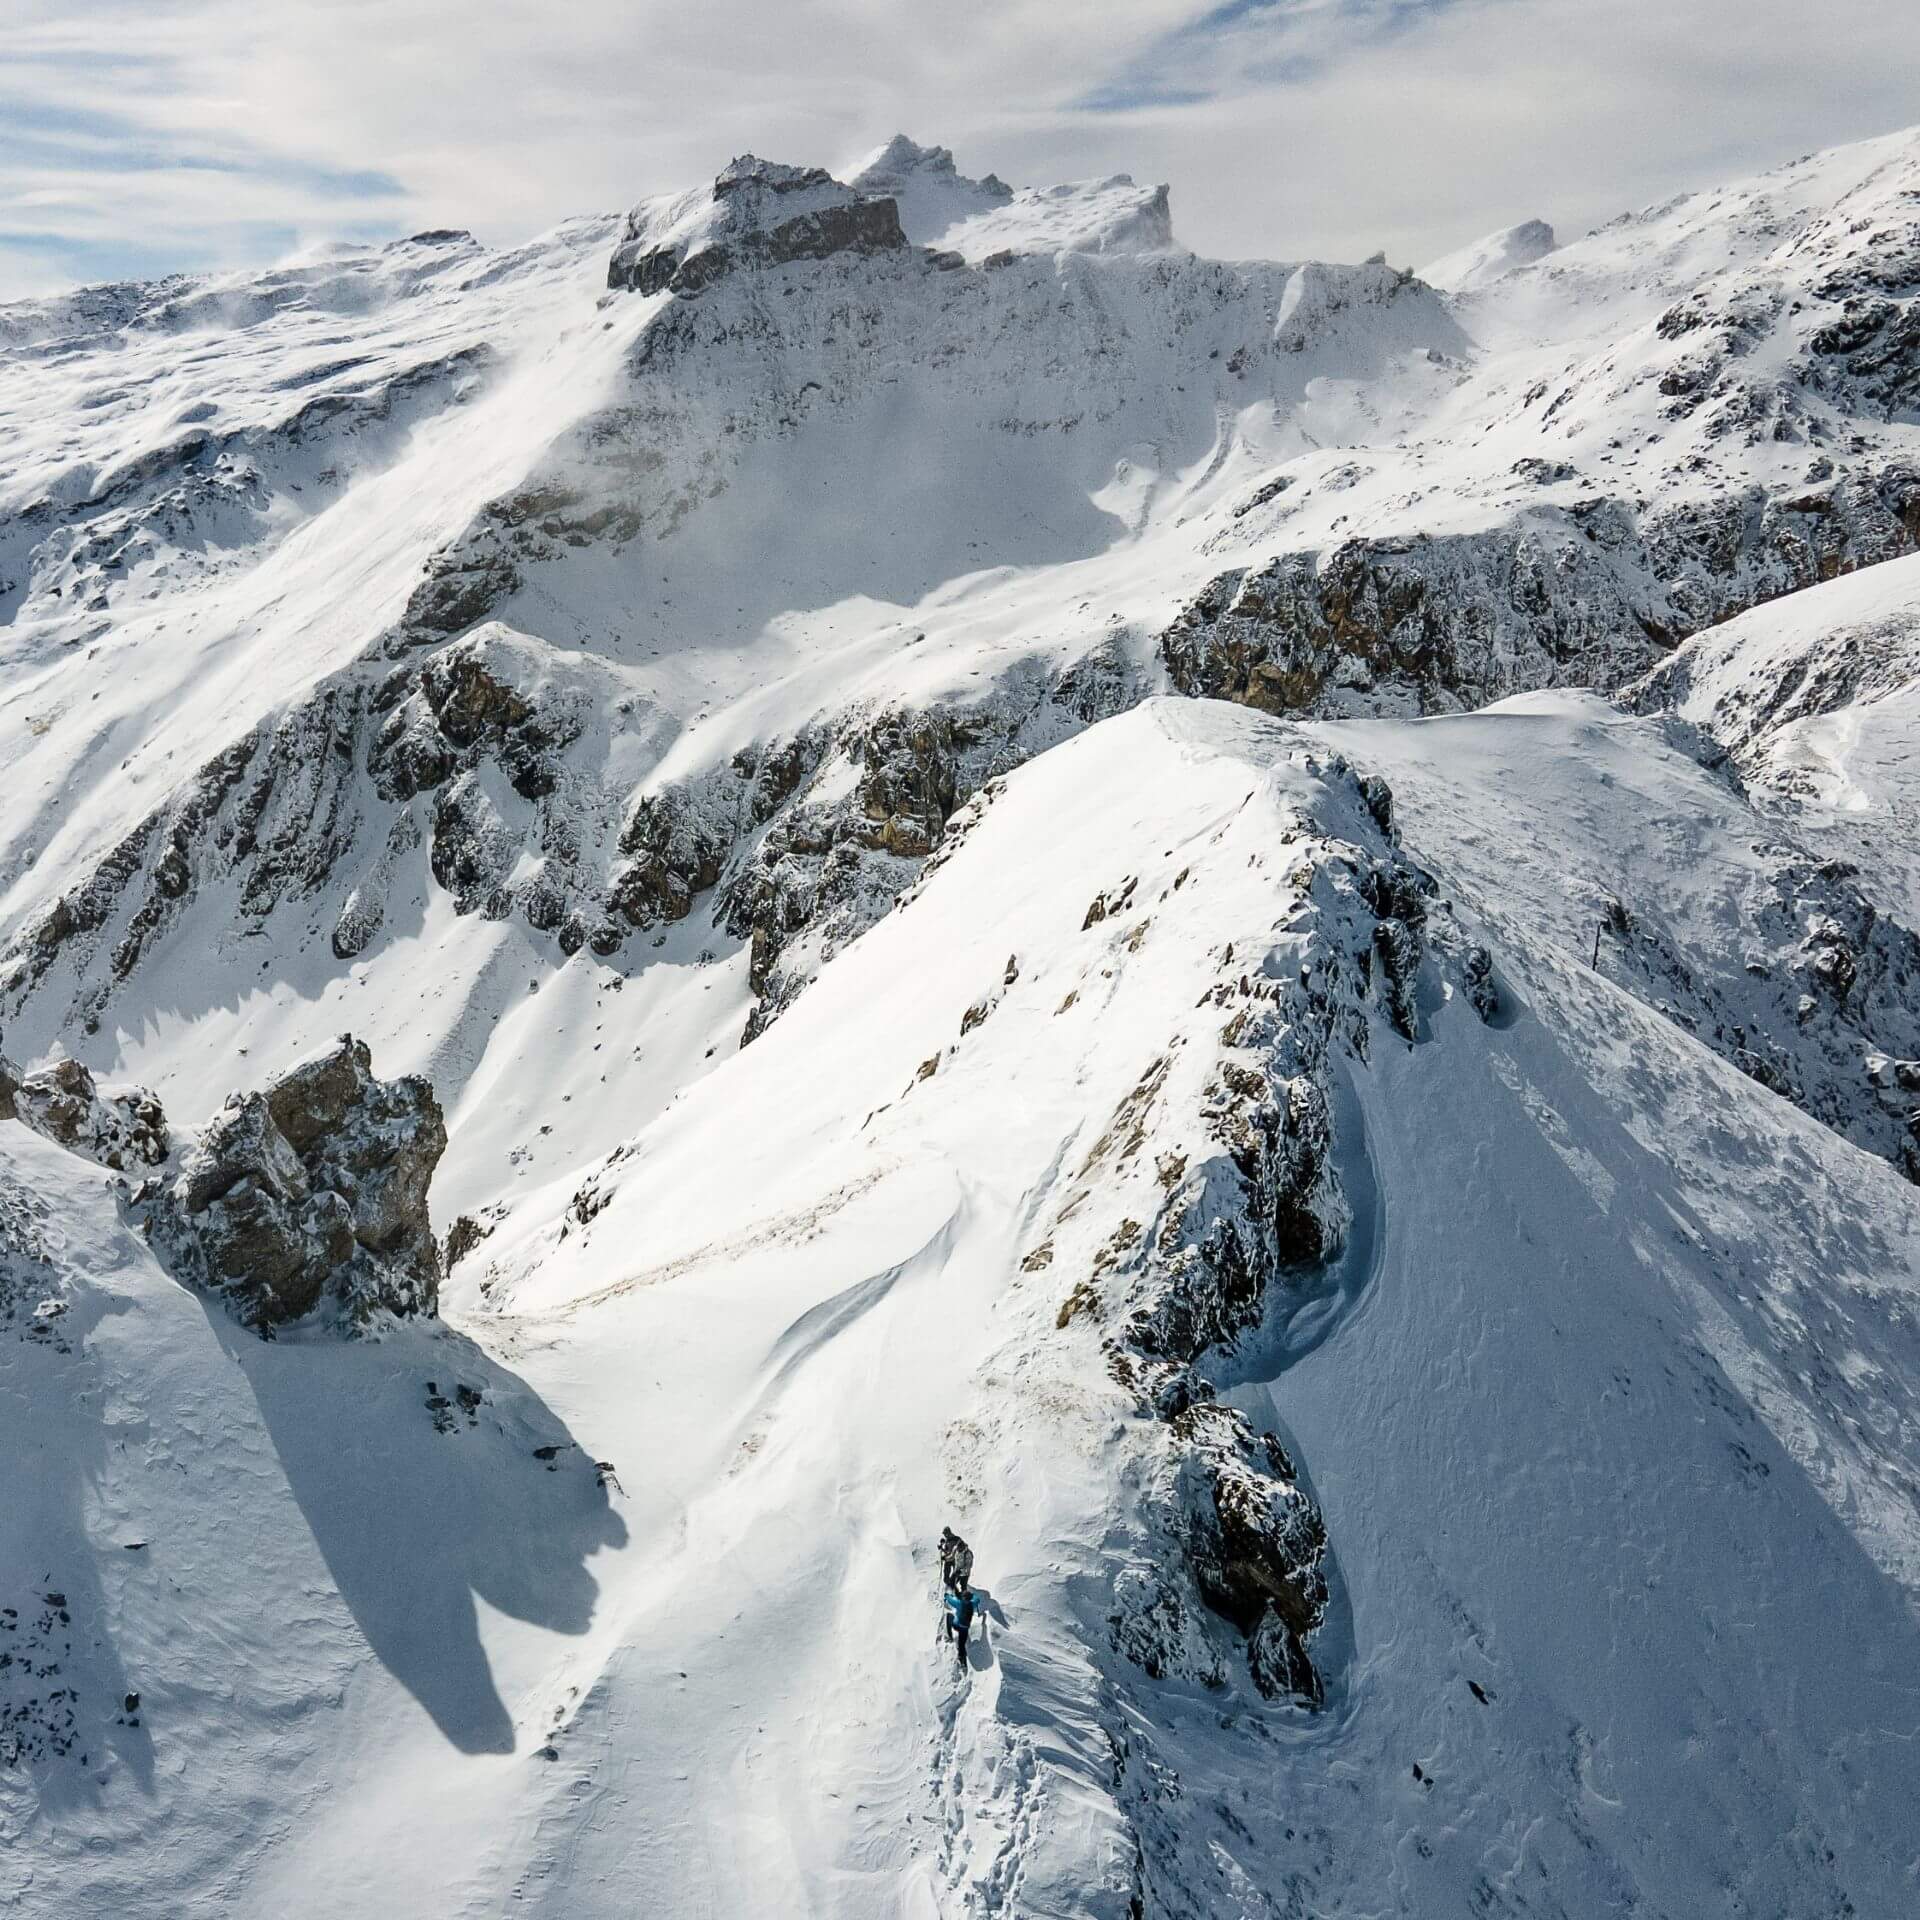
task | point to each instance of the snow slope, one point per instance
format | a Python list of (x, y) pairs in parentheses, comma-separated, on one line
[(1816, 698), (1472, 266), (1253, 917), (1609, 1414)]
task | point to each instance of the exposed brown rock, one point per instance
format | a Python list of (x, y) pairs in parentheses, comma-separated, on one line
[(312, 1191), (124, 1130)]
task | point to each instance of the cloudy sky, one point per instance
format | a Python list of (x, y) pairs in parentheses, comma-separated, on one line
[(139, 136)]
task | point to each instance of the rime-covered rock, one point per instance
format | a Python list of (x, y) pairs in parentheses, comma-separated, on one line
[(760, 213), (311, 1192), (1593, 593), (1256, 1542), (125, 1130)]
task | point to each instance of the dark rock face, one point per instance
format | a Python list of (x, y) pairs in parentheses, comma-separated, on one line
[(275, 811), (1257, 1545), (822, 873), (124, 1131), (474, 706), (1591, 595), (9, 1086), (1483, 989), (467, 752), (768, 216), (310, 1192)]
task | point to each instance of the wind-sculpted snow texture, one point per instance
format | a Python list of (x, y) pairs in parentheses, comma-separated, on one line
[(1321, 870)]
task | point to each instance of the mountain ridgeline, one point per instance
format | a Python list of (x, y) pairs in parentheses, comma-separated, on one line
[(851, 853)]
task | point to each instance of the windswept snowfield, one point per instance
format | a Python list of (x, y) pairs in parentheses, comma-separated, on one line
[(1251, 929)]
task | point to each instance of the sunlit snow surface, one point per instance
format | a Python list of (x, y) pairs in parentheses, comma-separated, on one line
[(1614, 1413)]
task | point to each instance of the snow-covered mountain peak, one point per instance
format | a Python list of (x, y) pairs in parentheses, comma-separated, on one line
[(1487, 258), (932, 194), (755, 210), (1295, 847), (901, 194), (942, 207)]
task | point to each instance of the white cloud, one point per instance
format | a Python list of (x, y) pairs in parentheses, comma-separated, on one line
[(1327, 126)]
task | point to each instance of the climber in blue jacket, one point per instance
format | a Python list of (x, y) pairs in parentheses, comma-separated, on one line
[(959, 1620)]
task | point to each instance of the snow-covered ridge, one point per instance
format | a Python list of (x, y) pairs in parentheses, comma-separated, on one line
[(1373, 1180), (773, 214), (941, 208), (1473, 266), (759, 212), (937, 1247), (1814, 698)]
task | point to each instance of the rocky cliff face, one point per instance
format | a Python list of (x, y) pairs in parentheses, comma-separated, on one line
[(761, 214), (1589, 594), (310, 1193)]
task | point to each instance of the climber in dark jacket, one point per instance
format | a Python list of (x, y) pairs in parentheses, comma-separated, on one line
[(959, 1621), (956, 1561)]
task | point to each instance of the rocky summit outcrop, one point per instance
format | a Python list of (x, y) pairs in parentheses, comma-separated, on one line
[(760, 214), (1211, 1207), (124, 1131), (310, 1194)]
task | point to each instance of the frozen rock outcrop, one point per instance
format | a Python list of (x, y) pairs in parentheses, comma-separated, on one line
[(760, 213), (123, 1131), (1256, 1543), (311, 1193), (1593, 593)]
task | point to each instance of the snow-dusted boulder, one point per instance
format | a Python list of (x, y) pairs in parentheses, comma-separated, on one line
[(123, 1130), (312, 1192)]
